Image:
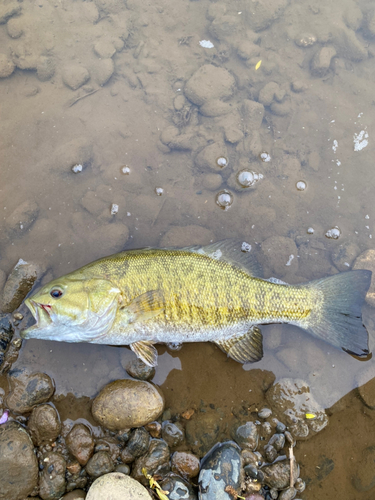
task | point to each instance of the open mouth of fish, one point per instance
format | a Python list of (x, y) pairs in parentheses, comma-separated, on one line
[(41, 313)]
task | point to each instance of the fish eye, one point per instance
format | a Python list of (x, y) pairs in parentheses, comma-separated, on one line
[(56, 293)]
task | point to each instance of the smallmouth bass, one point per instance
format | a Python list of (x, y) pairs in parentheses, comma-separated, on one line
[(196, 294)]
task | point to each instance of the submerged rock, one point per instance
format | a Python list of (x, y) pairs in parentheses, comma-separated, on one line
[(74, 76), (202, 432), (277, 475), (138, 369), (117, 486), (28, 390), (44, 424), (99, 464), (80, 443), (155, 460), (127, 403), (209, 82), (138, 443), (246, 435), (178, 488), (221, 467), (185, 464), (173, 434), (17, 286), (18, 463), (52, 480)]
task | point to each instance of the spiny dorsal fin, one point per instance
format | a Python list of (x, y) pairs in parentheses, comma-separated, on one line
[(245, 348), (231, 251), (146, 352)]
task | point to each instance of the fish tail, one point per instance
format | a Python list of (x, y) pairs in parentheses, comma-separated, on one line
[(338, 317)]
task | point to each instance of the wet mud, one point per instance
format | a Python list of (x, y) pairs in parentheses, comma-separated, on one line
[(127, 124)]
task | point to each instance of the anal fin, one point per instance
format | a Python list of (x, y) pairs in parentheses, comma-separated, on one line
[(245, 348), (146, 352)]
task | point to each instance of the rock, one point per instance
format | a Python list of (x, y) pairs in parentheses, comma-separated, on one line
[(104, 69), (225, 26), (178, 488), (137, 368), (52, 480), (17, 286), (173, 434), (268, 92), (290, 401), (321, 62), (156, 459), (246, 435), (9, 9), (75, 495), (109, 444), (305, 39), (79, 151), (126, 456), (104, 49), (183, 236), (287, 494), (278, 475), (138, 443), (22, 217), (281, 108), (233, 135), (277, 441), (123, 468), (212, 181), (117, 486), (207, 158), (280, 255), (99, 464), (209, 82), (253, 113), (28, 390), (220, 468), (348, 46), (80, 443), (44, 424), (18, 463), (215, 107), (25, 56), (15, 27), (343, 255), (45, 68), (185, 464), (127, 403), (261, 15), (247, 50), (202, 432), (367, 261), (74, 76), (154, 429), (364, 477), (6, 66), (298, 86), (179, 102), (264, 413), (270, 453)]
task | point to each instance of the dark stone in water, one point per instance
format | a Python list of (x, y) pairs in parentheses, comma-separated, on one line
[(246, 435), (138, 443), (202, 432), (172, 433), (99, 464), (179, 489), (28, 390), (221, 467), (52, 480), (156, 460)]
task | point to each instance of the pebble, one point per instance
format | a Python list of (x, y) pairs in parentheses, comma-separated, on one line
[(22, 217), (154, 429), (253, 114), (277, 441), (6, 66), (15, 27), (202, 432), (173, 434), (123, 468), (209, 156), (80, 443), (305, 40), (178, 488), (209, 82), (99, 464), (138, 443), (300, 485), (75, 495), (185, 464), (103, 71), (74, 76), (28, 390), (126, 456), (52, 479), (44, 424), (45, 68), (127, 403), (221, 467), (277, 475), (246, 435), (265, 413), (110, 445), (262, 16), (270, 453), (117, 486), (366, 260), (17, 286), (287, 494), (104, 49), (277, 252), (268, 93), (156, 459), (18, 463), (137, 368), (321, 62)]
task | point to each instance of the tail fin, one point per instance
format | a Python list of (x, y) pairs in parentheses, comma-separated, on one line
[(339, 319)]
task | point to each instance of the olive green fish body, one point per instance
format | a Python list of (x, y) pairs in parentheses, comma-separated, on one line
[(139, 298)]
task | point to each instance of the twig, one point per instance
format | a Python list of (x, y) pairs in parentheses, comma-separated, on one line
[(82, 97), (291, 461)]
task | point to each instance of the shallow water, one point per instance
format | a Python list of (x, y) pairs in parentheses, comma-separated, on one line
[(314, 130)]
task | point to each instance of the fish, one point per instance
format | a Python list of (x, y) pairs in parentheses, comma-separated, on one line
[(206, 293)]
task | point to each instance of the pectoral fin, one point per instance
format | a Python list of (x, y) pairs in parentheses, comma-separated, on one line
[(145, 306), (247, 348), (146, 352)]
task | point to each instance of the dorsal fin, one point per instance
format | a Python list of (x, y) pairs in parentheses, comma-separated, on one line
[(237, 253)]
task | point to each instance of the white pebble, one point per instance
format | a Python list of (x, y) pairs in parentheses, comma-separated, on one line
[(77, 168), (114, 209)]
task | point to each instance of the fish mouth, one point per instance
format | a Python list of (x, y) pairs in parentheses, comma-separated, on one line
[(41, 314)]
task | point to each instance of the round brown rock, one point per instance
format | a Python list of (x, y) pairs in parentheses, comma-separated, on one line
[(117, 486), (18, 463), (185, 464), (6, 66), (80, 443), (44, 424), (209, 82), (28, 390), (127, 403), (367, 261)]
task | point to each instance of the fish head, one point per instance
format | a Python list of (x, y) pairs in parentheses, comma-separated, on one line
[(73, 309)]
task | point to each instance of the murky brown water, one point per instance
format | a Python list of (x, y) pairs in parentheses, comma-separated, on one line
[(314, 127)]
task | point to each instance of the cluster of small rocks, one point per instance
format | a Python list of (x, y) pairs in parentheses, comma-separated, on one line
[(137, 434)]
